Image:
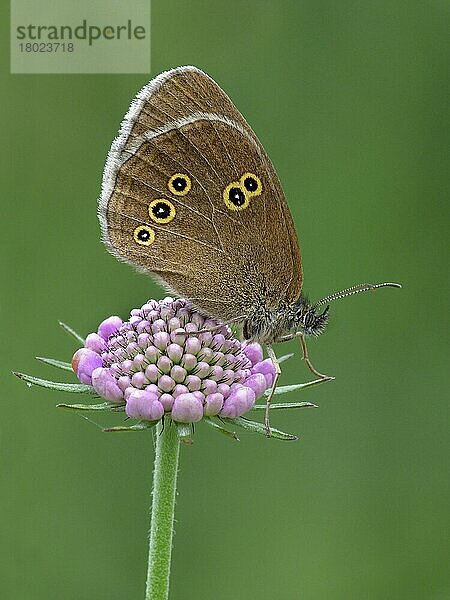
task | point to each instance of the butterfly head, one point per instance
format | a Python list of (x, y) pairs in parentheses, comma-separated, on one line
[(310, 319)]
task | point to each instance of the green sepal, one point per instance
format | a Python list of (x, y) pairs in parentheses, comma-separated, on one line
[(185, 432), (285, 405), (77, 388), (255, 427), (103, 406), (142, 426), (216, 424), (59, 364), (285, 357), (284, 389), (72, 332)]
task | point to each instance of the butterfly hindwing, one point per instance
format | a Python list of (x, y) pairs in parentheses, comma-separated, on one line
[(190, 196)]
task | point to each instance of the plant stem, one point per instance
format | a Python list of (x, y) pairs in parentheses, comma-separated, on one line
[(163, 506)]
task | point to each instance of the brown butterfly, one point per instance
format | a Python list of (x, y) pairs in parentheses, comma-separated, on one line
[(190, 196)]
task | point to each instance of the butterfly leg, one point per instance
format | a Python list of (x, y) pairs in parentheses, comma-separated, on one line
[(276, 365), (307, 359)]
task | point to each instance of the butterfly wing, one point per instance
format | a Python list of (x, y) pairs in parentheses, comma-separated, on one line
[(190, 196)]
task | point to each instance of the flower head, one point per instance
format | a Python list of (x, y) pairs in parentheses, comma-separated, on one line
[(169, 359)]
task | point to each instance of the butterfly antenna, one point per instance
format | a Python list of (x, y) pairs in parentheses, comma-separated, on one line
[(356, 289)]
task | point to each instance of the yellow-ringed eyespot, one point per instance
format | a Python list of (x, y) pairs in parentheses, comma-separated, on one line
[(179, 184), (251, 184), (235, 197), (143, 235), (161, 211)]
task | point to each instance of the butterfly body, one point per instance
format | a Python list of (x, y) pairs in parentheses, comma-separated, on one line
[(273, 325)]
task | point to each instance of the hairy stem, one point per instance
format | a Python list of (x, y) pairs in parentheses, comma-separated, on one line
[(163, 506)]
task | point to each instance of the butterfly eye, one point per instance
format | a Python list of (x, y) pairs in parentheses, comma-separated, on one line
[(143, 235), (161, 211), (251, 183), (179, 184), (234, 197)]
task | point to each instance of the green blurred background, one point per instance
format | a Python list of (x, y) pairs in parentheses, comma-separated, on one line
[(349, 99)]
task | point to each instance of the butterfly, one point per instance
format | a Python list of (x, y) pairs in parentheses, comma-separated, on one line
[(190, 197)]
